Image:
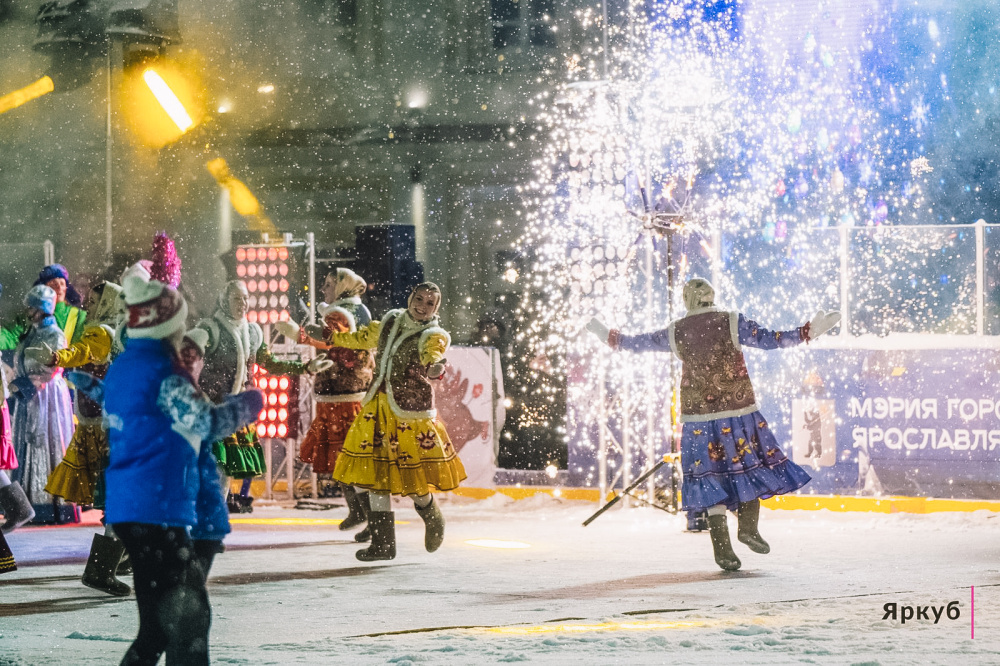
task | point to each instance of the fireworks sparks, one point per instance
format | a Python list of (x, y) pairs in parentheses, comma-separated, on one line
[(728, 146)]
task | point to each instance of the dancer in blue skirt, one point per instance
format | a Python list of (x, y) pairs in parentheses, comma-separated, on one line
[(731, 459)]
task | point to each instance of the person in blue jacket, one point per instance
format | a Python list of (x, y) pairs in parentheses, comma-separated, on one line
[(156, 424)]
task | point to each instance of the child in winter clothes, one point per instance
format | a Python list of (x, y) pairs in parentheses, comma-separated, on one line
[(731, 459), (156, 424), (397, 445)]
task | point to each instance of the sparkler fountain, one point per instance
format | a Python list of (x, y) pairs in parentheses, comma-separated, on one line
[(744, 138)]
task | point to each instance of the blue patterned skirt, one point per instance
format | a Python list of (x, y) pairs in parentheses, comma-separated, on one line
[(733, 460)]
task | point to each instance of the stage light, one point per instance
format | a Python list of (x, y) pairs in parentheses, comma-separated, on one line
[(42, 86), (241, 198), (283, 383), (168, 100), (282, 430)]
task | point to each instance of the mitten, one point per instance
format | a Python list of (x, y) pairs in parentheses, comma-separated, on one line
[(42, 355), (435, 370), (248, 405), (822, 322), (314, 331), (87, 384), (234, 413), (289, 329), (23, 388), (597, 327), (319, 364)]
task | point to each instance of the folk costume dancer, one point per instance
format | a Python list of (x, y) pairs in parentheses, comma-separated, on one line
[(397, 445), (79, 478), (14, 504), (338, 391), (730, 457), (156, 426), (234, 346), (43, 413)]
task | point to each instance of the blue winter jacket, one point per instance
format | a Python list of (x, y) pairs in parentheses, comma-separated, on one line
[(213, 513), (153, 472)]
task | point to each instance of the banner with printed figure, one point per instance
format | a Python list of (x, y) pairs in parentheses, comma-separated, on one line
[(470, 402)]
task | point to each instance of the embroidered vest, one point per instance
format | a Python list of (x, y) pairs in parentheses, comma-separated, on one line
[(714, 378), (402, 376)]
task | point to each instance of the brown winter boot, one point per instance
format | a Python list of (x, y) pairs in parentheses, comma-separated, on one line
[(723, 547), (16, 508), (383, 528), (433, 525), (357, 508), (747, 532), (105, 556)]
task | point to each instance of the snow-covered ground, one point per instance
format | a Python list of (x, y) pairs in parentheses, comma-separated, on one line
[(632, 588)]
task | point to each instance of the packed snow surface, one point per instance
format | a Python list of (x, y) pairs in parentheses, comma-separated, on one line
[(632, 588)]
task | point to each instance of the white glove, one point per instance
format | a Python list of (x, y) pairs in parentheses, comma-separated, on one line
[(319, 364), (289, 329), (314, 331), (43, 355), (822, 322), (435, 370), (597, 327)]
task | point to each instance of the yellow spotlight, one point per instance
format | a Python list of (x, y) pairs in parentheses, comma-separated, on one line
[(495, 543), (15, 99), (240, 196), (168, 100), (162, 101)]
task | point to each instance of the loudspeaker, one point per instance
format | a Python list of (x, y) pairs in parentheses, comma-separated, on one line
[(385, 256)]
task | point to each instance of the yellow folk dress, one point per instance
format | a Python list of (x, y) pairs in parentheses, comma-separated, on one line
[(397, 444), (77, 476)]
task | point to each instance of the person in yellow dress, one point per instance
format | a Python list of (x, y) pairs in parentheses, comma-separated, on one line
[(397, 445)]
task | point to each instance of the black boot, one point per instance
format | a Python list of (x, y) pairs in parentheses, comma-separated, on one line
[(125, 566), (206, 550), (383, 528), (433, 525), (364, 535), (17, 510), (723, 547), (357, 508), (105, 555), (747, 531)]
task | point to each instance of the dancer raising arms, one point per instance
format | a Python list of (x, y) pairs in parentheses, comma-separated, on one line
[(397, 445)]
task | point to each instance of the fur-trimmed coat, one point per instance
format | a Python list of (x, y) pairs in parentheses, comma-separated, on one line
[(405, 349)]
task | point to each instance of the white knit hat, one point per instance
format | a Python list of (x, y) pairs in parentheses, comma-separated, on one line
[(155, 310), (199, 338)]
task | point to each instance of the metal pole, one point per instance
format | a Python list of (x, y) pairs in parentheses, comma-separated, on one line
[(845, 286), (108, 189), (602, 435), (225, 222), (604, 37), (311, 251), (649, 372), (980, 275)]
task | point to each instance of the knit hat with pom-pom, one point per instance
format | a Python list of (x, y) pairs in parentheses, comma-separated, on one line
[(41, 298), (155, 310), (166, 264)]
